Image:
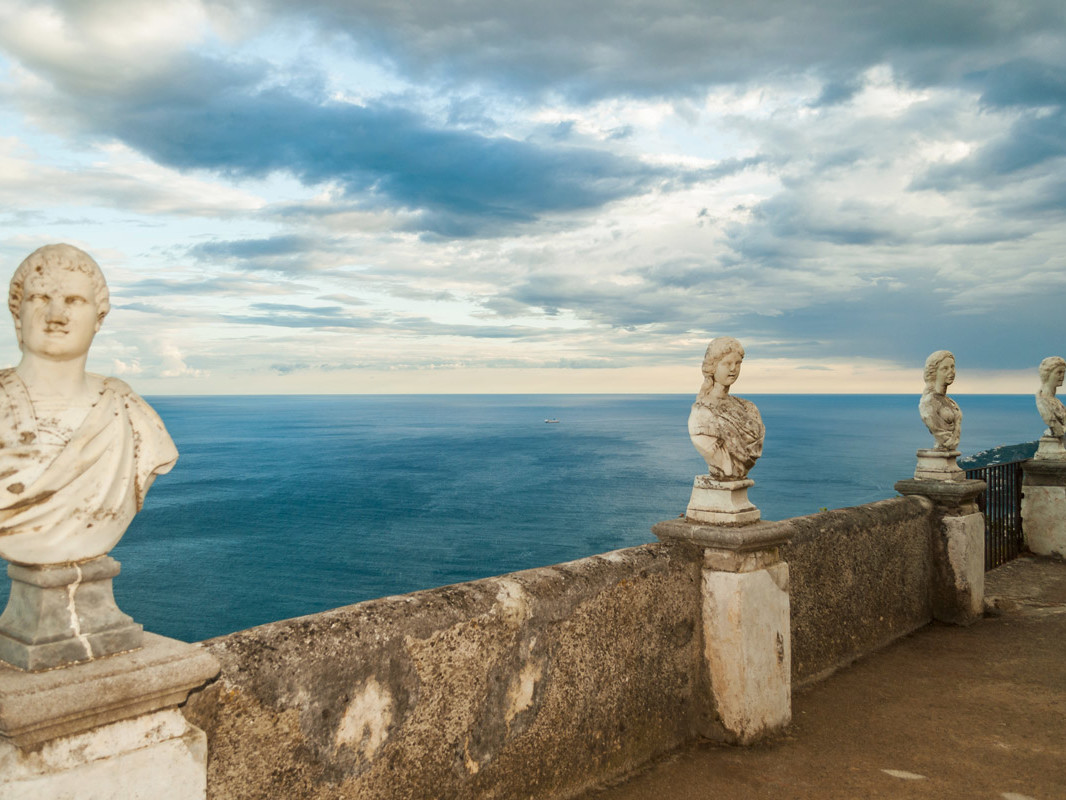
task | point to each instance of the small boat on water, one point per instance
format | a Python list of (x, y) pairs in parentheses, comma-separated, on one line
[(552, 421)]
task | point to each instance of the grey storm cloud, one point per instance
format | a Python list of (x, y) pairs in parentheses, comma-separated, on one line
[(223, 116), (149, 287), (288, 315), (905, 325), (586, 49), (257, 248), (1032, 141), (301, 319), (607, 303), (284, 253), (325, 311), (1022, 82)]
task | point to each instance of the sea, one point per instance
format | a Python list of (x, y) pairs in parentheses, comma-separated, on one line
[(281, 506)]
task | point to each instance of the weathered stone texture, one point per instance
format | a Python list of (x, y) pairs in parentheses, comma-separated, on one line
[(1044, 506), (1044, 520), (535, 684), (861, 578), (746, 619)]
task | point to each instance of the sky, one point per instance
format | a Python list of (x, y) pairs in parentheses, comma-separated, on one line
[(472, 196)]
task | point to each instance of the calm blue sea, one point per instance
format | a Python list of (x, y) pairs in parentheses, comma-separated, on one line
[(282, 506)]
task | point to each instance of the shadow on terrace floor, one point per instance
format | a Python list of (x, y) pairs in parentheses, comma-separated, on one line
[(944, 713)]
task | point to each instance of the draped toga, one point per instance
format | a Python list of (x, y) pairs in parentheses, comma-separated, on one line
[(728, 434), (73, 501)]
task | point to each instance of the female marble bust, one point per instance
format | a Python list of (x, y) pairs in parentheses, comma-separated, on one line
[(726, 430), (1052, 371), (940, 413)]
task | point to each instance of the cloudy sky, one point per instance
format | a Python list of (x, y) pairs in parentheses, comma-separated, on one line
[(474, 195)]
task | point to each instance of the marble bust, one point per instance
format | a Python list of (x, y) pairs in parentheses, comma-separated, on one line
[(726, 430), (1052, 371), (940, 413), (78, 451)]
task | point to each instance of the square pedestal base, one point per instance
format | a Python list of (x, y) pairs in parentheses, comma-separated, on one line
[(1050, 448), (721, 502), (59, 614), (938, 465)]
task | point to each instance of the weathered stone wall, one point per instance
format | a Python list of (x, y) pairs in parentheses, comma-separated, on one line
[(535, 684), (861, 577)]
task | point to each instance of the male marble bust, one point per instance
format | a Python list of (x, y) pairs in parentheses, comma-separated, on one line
[(78, 451)]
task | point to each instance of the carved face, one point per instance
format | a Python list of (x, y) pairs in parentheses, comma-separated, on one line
[(1057, 375), (728, 369), (945, 373), (58, 316)]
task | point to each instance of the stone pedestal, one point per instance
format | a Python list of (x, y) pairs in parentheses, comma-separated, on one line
[(938, 465), (1050, 448), (746, 627), (958, 546), (1044, 505), (106, 729), (721, 502), (60, 614)]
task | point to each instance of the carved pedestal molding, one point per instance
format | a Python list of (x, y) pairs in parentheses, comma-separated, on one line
[(1044, 506), (60, 614), (959, 547), (721, 502), (1050, 448), (746, 628), (107, 728), (938, 465)]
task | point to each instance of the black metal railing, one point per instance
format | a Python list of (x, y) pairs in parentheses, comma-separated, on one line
[(1002, 507)]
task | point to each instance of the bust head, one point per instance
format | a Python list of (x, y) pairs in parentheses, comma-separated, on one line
[(721, 364), (58, 298), (940, 364), (1052, 369)]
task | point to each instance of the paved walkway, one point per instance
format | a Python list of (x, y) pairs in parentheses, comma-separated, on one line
[(967, 713)]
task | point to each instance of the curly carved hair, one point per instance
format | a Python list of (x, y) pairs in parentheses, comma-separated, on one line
[(932, 364), (1048, 365), (717, 350), (59, 256)]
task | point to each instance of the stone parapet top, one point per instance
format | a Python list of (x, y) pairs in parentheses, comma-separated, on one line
[(1044, 472), (38, 706), (738, 538), (944, 492)]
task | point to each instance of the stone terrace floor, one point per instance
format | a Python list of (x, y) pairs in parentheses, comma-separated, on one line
[(967, 713)]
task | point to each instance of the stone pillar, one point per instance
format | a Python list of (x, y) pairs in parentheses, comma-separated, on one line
[(107, 728), (958, 546), (746, 626), (1044, 505)]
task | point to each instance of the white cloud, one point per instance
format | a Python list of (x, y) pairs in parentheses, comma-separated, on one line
[(101, 42), (838, 188)]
